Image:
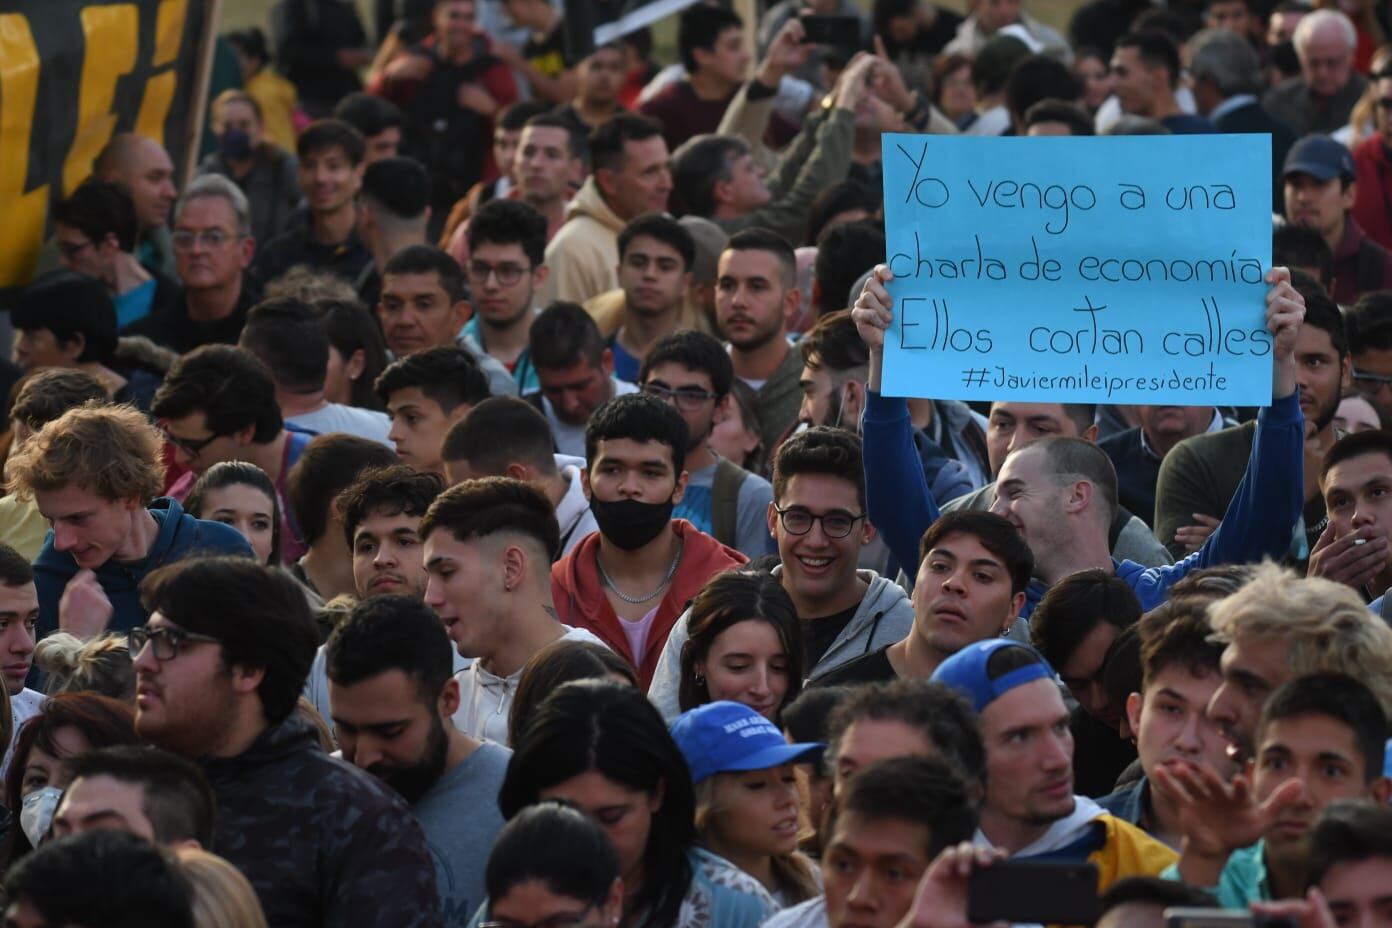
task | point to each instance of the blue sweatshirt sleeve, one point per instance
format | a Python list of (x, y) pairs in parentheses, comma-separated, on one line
[(897, 498), (1265, 508)]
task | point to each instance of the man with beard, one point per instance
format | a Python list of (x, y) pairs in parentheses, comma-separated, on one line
[(507, 245), (392, 694), (1200, 475), (655, 257), (629, 582), (692, 372), (488, 550), (756, 293), (219, 667)]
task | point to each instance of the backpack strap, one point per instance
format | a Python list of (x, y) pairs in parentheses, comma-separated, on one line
[(725, 500)]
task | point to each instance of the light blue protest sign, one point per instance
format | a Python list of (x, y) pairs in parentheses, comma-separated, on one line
[(1079, 270)]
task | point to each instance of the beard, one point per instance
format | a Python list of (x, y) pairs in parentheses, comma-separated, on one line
[(414, 781), (1326, 414)]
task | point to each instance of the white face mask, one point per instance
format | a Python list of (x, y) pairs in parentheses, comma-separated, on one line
[(36, 813)]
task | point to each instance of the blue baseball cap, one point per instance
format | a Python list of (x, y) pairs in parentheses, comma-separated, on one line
[(965, 672), (730, 737), (1319, 156)]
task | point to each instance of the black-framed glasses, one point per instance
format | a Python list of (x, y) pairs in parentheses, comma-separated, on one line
[(71, 250), (164, 640), (190, 446), (507, 274), (184, 239), (564, 920), (798, 521), (1370, 381), (689, 399)]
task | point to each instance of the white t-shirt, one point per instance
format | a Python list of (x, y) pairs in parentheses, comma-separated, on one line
[(335, 417), (24, 705), (573, 514), (570, 439)]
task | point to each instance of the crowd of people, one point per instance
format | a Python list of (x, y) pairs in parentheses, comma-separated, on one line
[(470, 500)]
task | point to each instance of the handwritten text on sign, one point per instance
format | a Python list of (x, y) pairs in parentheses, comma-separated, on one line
[(1085, 270)]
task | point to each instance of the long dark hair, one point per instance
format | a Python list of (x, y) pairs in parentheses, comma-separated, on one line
[(352, 328), (613, 729), (558, 663), (727, 600), (234, 473)]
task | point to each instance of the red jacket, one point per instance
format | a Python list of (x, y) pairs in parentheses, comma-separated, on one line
[(1373, 207), (580, 600)]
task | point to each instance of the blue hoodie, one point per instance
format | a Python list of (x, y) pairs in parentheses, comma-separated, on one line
[(179, 535)]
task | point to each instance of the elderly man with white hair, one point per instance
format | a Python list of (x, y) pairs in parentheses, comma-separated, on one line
[(1321, 98)]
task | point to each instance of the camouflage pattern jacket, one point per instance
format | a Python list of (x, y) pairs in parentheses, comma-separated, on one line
[(321, 842)]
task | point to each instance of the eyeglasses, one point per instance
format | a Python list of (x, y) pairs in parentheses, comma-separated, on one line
[(190, 446), (798, 521), (1370, 382), (71, 250), (165, 641), (688, 399), (564, 920), (184, 239), (508, 274)]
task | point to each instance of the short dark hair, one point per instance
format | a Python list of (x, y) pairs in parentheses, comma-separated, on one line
[(324, 134), (98, 209), (925, 791), (563, 335), (399, 187), (1036, 78), (1152, 890), (1155, 48), (259, 615), (1368, 322), (995, 534), (291, 339), (664, 229), (840, 197), (501, 430), (695, 351), (844, 253), (516, 116), (1070, 114), (1074, 606), (177, 798), (1178, 633), (72, 306), (425, 259), (509, 222), (577, 144), (834, 344), (393, 490), (390, 632), (941, 714), (700, 26), (700, 163), (15, 570), (448, 375), (1355, 445), (1347, 831), (478, 508), (757, 239), (820, 450), (368, 113), (351, 329), (608, 139), (329, 465), (1294, 245), (641, 418), (1340, 698), (47, 393), (230, 387), (553, 843), (105, 877), (1321, 311)]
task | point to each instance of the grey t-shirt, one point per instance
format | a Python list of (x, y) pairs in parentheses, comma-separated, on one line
[(460, 819)]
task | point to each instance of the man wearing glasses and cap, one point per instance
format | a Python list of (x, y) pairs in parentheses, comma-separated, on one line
[(95, 473)]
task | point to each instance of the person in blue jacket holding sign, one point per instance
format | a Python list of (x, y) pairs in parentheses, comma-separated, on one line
[(1061, 493)]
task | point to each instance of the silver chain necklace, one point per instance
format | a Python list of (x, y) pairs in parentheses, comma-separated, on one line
[(639, 600)]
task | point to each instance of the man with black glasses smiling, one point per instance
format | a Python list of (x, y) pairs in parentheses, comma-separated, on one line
[(692, 372), (817, 518)]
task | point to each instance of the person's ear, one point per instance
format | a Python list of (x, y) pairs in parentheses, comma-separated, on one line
[(1017, 602), (1090, 434), (247, 680), (1379, 790), (514, 567), (720, 193), (449, 699), (1345, 371), (604, 180), (606, 362), (680, 489), (463, 311), (1080, 496), (868, 532), (247, 251), (518, 471), (852, 404), (1133, 711), (72, 350), (355, 365), (792, 304), (539, 274), (771, 517), (585, 482), (244, 436)]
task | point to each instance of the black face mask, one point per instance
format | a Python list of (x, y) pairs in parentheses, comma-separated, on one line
[(235, 145), (630, 523)]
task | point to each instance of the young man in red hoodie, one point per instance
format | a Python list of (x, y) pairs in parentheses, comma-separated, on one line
[(628, 582)]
